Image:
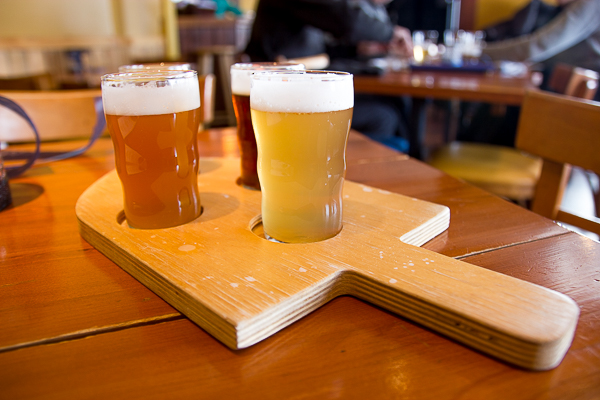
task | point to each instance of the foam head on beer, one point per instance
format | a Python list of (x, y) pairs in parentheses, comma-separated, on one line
[(153, 119), (151, 95), (241, 73), (301, 92)]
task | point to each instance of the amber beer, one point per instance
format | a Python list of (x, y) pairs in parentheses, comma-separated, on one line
[(240, 89), (302, 120), (153, 119), (246, 141)]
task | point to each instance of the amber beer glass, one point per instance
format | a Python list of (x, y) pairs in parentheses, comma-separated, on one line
[(153, 120), (301, 120), (240, 89)]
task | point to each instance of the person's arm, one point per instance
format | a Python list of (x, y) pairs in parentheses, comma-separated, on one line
[(573, 25)]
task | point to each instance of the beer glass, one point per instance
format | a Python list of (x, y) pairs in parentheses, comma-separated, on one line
[(301, 120), (240, 89), (178, 66), (153, 120)]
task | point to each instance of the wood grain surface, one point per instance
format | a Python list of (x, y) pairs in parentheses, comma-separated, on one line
[(75, 325), (242, 288), (484, 87)]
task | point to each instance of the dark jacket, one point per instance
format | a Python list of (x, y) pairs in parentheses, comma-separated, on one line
[(300, 28)]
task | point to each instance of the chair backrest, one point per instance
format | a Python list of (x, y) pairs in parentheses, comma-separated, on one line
[(563, 131), (573, 81), (583, 84), (559, 78), (57, 114)]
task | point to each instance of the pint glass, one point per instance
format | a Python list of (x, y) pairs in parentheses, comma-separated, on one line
[(153, 120), (301, 120), (240, 89)]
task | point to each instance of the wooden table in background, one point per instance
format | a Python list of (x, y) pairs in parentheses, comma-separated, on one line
[(442, 85), (75, 325)]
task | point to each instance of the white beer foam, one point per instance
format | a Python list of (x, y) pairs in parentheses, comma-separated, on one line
[(150, 99), (241, 74), (240, 81), (302, 93)]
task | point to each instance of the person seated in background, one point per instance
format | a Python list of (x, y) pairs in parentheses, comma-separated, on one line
[(541, 36), (296, 29), (569, 34), (421, 15), (571, 37), (528, 19)]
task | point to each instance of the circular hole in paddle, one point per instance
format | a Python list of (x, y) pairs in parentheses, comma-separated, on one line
[(121, 218), (256, 227)]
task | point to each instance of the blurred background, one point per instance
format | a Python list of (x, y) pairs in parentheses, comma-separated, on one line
[(67, 44)]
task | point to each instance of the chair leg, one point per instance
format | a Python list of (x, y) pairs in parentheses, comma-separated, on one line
[(550, 188)]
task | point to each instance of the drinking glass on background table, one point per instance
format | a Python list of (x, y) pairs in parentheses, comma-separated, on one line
[(153, 120), (240, 89), (425, 46), (418, 38), (463, 46), (301, 120)]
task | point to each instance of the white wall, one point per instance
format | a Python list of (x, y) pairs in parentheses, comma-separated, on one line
[(140, 22), (56, 18)]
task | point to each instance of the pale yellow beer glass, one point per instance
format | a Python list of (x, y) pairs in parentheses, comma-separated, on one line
[(153, 120), (240, 89), (301, 120)]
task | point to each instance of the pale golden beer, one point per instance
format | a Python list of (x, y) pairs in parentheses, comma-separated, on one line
[(153, 120), (301, 121), (240, 89)]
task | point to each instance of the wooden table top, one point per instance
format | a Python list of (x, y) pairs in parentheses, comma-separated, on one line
[(489, 87), (75, 325)]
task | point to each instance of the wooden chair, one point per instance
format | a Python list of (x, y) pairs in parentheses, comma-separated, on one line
[(506, 171), (36, 116), (563, 131), (573, 81), (57, 114), (583, 84), (559, 80)]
